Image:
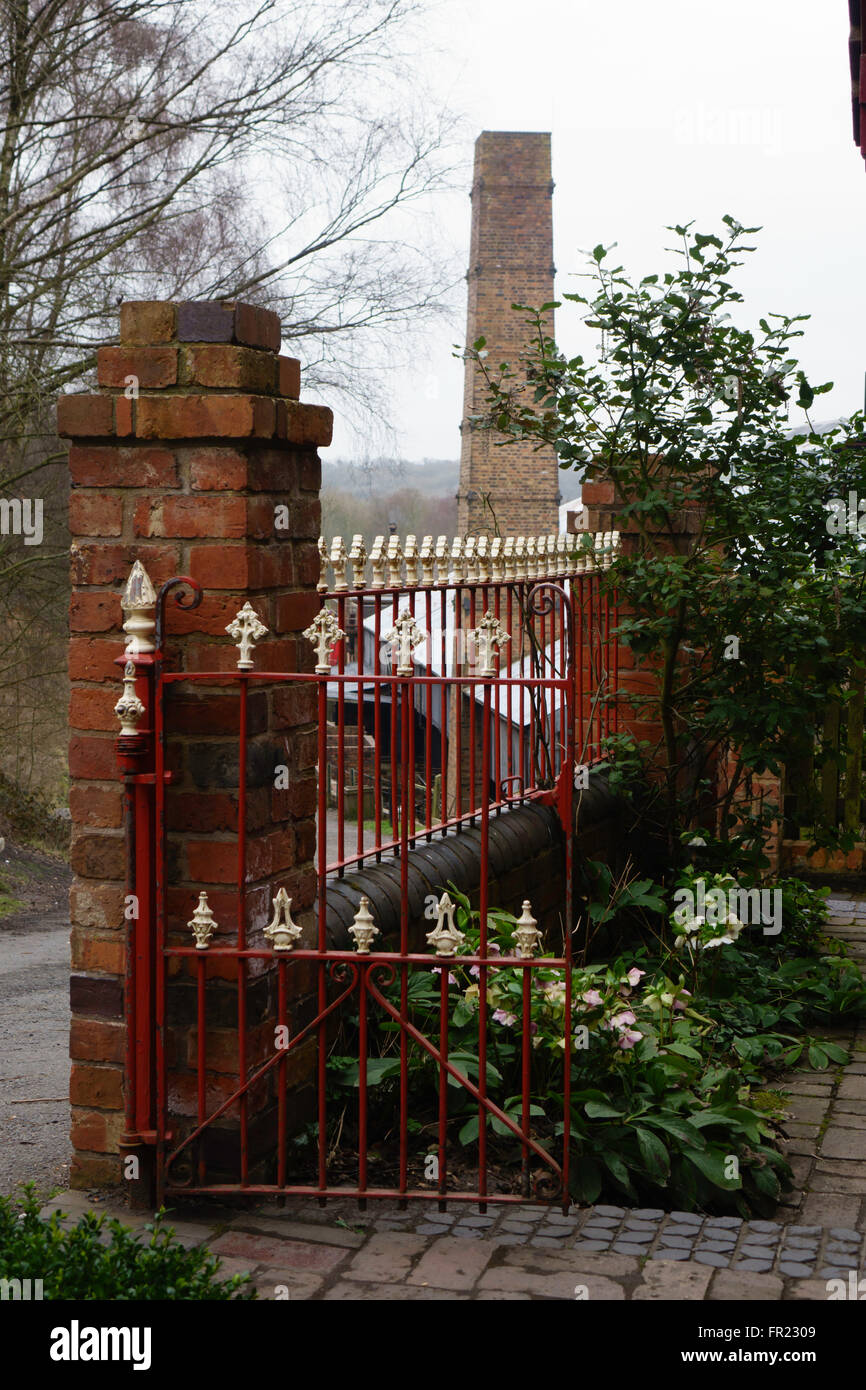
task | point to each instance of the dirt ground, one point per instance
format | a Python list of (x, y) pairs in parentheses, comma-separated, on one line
[(34, 1019)]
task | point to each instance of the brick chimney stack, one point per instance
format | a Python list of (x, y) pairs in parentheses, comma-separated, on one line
[(511, 262)]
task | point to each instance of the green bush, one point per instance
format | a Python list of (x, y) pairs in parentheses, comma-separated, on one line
[(103, 1259)]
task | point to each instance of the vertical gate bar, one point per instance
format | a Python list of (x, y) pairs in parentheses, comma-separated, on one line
[(359, 714), (606, 663), (568, 945), (322, 942), (282, 966), (496, 716), (159, 992), (362, 1085), (428, 733), (616, 662), (411, 748), (242, 929), (482, 972), (201, 1024), (525, 1081), (341, 737), (473, 796), (444, 704), (443, 1085), (459, 653), (579, 655), (405, 690), (524, 769), (396, 731), (377, 724)]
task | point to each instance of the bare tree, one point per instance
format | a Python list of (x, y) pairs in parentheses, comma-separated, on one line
[(266, 149)]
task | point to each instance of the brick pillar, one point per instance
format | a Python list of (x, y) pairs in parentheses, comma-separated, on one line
[(194, 439)]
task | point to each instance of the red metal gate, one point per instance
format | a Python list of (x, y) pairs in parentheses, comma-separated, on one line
[(361, 1092)]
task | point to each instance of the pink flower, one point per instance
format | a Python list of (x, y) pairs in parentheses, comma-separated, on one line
[(628, 1038), (475, 970), (592, 998), (635, 976), (437, 970), (679, 1003), (493, 949), (502, 1016), (624, 1020)]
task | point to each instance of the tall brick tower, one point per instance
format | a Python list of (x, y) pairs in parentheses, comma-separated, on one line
[(510, 262)]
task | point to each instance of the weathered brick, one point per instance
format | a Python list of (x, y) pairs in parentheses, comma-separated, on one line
[(223, 517), (92, 707), (101, 954), (147, 321), (217, 470), (257, 327), (97, 905), (97, 806), (223, 364), (87, 1171), (95, 514), (94, 465), (93, 1040), (93, 758), (96, 996), (289, 383), (91, 660), (84, 416), (96, 1131), (96, 563), (205, 321), (152, 367), (295, 612), (218, 417), (305, 424), (98, 855), (97, 1086)]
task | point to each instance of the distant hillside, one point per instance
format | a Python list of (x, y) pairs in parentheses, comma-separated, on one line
[(432, 478)]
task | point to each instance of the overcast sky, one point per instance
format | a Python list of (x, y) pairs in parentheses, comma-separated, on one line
[(661, 113)]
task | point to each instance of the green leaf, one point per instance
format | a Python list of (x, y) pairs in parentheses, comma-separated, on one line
[(601, 1110), (711, 1162), (654, 1155)]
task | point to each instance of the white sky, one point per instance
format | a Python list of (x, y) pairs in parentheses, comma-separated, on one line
[(660, 113)]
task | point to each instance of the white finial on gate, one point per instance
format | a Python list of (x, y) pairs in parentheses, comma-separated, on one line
[(340, 564), (405, 636), (508, 557), (322, 585), (470, 562), (456, 574), (483, 559), (526, 933), (410, 555), (358, 556), (442, 558), (487, 636), (377, 560), (202, 924), (394, 564), (562, 554), (323, 632), (427, 558), (363, 929), (129, 709), (138, 603), (445, 938), (497, 566), (282, 932), (246, 628)]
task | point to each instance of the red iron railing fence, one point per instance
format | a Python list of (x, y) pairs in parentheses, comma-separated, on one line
[(452, 683)]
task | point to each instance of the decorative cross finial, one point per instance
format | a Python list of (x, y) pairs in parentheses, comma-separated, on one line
[(246, 628), (526, 933), (363, 929), (138, 603), (323, 632), (282, 931), (405, 635), (445, 938), (487, 636), (202, 923), (129, 709)]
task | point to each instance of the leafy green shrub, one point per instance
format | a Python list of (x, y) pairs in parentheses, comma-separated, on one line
[(103, 1259)]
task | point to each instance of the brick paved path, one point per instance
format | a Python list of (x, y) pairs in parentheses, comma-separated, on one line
[(300, 1251)]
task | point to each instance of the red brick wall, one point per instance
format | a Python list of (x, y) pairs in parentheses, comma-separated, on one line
[(510, 262), (186, 478)]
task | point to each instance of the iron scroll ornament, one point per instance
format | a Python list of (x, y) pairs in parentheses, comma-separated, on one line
[(189, 596), (542, 601)]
